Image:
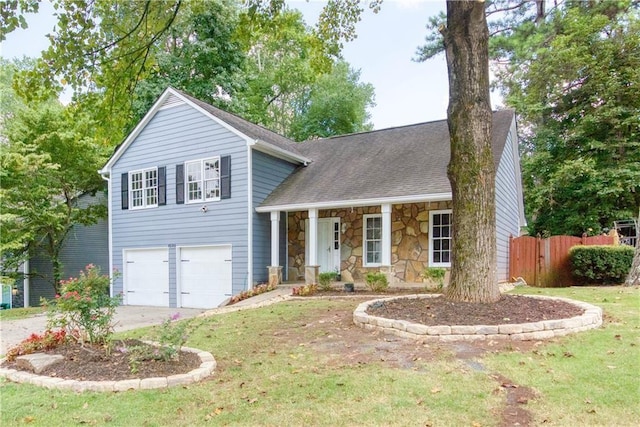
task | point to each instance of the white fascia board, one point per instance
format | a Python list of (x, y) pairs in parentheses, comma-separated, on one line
[(151, 113), (278, 152), (437, 197)]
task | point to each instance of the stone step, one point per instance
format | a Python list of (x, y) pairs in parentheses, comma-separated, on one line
[(37, 362)]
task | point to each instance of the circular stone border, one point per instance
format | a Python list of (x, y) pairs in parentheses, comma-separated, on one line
[(544, 329), (207, 367)]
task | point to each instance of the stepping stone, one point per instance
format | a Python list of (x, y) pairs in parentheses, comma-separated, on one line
[(37, 362)]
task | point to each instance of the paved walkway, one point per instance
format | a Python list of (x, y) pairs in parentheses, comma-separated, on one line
[(129, 317)]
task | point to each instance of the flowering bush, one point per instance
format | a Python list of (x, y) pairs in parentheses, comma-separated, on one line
[(35, 343), (305, 290), (172, 336), (84, 308), (260, 289)]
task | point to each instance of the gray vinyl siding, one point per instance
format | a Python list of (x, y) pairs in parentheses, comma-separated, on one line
[(173, 136), (507, 205), (84, 245), (268, 173)]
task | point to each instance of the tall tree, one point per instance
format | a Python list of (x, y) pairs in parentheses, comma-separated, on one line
[(336, 104), (573, 78), (48, 159), (471, 170)]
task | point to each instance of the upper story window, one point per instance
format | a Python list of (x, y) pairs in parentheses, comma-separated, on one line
[(440, 238), (203, 180), (372, 241), (143, 188)]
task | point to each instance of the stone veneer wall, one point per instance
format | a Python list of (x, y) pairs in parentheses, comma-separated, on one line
[(409, 238)]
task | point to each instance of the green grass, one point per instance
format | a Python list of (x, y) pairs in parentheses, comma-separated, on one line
[(20, 313), (590, 378), (265, 378)]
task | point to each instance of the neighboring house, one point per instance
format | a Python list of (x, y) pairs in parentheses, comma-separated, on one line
[(204, 204), (84, 245)]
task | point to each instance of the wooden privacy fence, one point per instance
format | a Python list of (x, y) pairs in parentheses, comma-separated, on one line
[(545, 262)]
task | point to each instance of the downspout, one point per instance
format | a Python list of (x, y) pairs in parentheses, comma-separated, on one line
[(107, 178), (25, 283), (250, 216)]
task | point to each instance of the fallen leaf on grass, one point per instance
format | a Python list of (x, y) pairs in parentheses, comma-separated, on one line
[(435, 390), (85, 406), (28, 419)]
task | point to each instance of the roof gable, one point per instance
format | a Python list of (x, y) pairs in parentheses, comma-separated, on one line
[(253, 134)]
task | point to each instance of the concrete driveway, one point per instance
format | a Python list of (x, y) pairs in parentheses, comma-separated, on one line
[(126, 317)]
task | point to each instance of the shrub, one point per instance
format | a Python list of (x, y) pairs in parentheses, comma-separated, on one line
[(601, 264), (260, 289), (377, 281), (305, 290), (436, 274), (84, 308), (35, 343), (325, 279)]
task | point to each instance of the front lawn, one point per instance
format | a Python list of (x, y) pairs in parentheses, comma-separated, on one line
[(304, 363)]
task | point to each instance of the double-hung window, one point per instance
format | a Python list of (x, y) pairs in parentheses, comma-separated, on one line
[(203, 180), (372, 240), (440, 238), (143, 188)]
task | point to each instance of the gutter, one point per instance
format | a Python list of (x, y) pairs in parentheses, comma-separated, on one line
[(106, 176)]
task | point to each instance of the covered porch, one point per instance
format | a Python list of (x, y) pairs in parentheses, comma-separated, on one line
[(398, 238)]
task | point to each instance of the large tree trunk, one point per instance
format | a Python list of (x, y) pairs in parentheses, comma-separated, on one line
[(633, 278), (471, 170)]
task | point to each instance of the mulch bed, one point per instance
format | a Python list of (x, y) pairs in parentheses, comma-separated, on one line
[(94, 363), (510, 309)]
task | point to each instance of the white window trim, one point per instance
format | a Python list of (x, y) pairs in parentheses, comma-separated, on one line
[(431, 263), (202, 180), (364, 241), (144, 188)]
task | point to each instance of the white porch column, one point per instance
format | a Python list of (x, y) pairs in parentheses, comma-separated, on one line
[(313, 237), (275, 238), (386, 234)]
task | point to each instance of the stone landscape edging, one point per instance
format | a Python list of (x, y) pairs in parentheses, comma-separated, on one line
[(207, 367), (544, 329)]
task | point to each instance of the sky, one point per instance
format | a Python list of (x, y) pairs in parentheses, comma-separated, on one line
[(407, 92)]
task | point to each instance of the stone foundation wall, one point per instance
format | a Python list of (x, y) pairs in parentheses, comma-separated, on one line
[(409, 240)]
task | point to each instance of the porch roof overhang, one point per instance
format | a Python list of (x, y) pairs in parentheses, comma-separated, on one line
[(331, 204)]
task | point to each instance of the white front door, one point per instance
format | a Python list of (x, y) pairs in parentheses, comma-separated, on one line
[(146, 277), (205, 275), (328, 244)]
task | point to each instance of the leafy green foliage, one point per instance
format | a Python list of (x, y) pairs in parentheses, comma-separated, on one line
[(36, 343), (48, 161), (84, 308), (336, 104), (573, 79), (601, 264), (436, 274), (325, 279), (376, 281), (12, 15), (200, 54)]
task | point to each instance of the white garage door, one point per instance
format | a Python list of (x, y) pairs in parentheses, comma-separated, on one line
[(146, 277), (204, 276)]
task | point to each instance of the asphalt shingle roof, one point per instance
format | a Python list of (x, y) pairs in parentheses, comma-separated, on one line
[(403, 161), (252, 130)]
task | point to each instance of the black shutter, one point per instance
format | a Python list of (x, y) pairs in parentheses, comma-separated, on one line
[(225, 177), (180, 184), (124, 190), (162, 186)]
